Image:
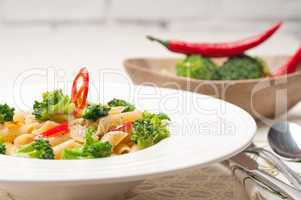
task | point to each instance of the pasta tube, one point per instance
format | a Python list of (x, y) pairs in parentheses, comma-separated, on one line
[(109, 121)]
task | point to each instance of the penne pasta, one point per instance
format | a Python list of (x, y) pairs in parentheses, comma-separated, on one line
[(29, 128), (19, 117), (56, 140), (77, 132), (11, 125), (30, 119), (24, 139), (116, 110), (109, 121), (58, 149), (45, 126), (8, 135), (10, 149), (122, 148), (134, 148), (114, 137)]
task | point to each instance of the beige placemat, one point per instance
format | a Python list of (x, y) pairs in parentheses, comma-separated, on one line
[(211, 183)]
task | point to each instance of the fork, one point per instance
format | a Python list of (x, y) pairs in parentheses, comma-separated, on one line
[(291, 175)]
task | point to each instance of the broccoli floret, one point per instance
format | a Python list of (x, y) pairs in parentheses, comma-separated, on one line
[(2, 148), (98, 149), (241, 67), (73, 154), (119, 102), (95, 111), (265, 67), (6, 113), (149, 130), (39, 148), (53, 104), (197, 67), (92, 148)]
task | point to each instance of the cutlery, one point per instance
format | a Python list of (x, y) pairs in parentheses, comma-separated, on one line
[(285, 140), (254, 189), (250, 167), (287, 172)]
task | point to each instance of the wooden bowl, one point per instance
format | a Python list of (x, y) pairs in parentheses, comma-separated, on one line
[(262, 98)]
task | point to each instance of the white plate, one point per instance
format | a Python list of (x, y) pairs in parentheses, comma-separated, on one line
[(204, 130)]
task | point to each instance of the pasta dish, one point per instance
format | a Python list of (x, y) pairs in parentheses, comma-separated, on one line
[(63, 127)]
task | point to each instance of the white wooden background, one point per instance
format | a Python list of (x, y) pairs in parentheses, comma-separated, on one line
[(176, 15)]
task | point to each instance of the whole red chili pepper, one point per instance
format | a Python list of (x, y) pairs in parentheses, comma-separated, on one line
[(291, 66), (61, 128), (79, 94), (218, 49)]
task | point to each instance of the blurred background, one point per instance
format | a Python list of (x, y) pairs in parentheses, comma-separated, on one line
[(101, 33), (171, 15)]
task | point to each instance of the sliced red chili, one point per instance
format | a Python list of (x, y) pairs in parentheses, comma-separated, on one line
[(59, 129), (125, 127), (217, 49), (79, 94), (291, 66)]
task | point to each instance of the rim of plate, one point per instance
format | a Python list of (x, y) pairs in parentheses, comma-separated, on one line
[(178, 152)]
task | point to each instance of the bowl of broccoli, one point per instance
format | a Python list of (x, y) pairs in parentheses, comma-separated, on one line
[(240, 67), (243, 80)]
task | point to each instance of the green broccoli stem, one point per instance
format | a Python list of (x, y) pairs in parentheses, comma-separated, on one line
[(40, 149)]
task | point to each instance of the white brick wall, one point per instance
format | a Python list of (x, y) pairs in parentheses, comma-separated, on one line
[(177, 15), (51, 10), (162, 9), (262, 9), (205, 9)]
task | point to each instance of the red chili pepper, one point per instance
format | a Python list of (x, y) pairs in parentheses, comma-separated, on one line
[(125, 127), (291, 66), (218, 49), (61, 128), (79, 94)]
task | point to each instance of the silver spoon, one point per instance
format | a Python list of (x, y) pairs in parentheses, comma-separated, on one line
[(285, 140)]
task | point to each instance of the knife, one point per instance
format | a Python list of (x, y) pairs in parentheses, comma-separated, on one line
[(289, 174), (243, 162), (254, 189)]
